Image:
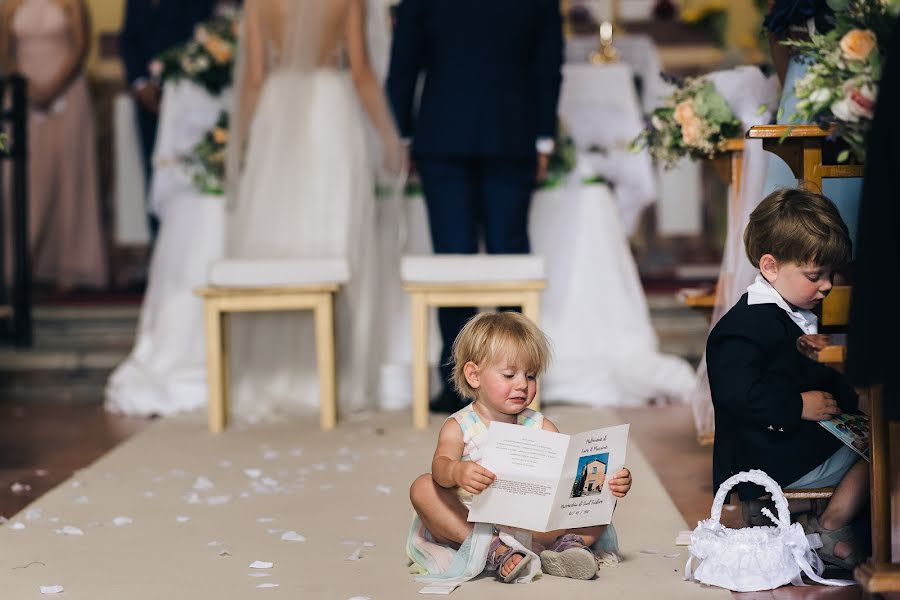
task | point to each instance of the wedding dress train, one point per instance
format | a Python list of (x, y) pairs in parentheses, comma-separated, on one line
[(306, 192)]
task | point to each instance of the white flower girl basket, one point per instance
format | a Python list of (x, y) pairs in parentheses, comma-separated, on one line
[(753, 558)]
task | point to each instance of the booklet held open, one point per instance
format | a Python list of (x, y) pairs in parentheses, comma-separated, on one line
[(547, 481)]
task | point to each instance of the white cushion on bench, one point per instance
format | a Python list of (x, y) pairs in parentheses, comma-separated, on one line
[(472, 268), (286, 273)]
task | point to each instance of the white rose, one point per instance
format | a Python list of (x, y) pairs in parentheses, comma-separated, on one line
[(200, 34), (691, 133), (859, 95), (657, 123), (841, 110), (806, 80), (820, 96)]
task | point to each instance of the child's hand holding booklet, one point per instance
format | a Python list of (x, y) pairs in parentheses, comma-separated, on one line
[(547, 481)]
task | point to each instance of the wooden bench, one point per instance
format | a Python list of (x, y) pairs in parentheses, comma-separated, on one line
[(268, 286), (881, 573), (464, 280), (802, 147)]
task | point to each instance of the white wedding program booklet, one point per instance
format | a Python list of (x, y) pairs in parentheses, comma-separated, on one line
[(547, 481)]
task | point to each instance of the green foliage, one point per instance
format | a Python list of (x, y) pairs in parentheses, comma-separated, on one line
[(206, 59), (207, 161), (840, 88)]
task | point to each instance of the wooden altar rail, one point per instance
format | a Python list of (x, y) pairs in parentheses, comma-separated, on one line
[(15, 305), (801, 147)]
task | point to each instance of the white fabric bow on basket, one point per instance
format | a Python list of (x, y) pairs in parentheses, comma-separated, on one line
[(753, 558)]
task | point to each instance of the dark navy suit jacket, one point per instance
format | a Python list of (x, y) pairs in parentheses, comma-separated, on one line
[(756, 376), (492, 75), (152, 26)]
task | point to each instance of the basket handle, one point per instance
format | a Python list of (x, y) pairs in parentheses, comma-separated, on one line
[(759, 478)]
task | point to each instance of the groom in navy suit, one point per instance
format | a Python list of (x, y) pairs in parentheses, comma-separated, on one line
[(484, 126)]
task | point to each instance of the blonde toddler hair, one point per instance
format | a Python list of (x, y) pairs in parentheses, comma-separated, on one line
[(488, 337)]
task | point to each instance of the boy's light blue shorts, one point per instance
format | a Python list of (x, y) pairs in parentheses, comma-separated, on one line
[(830, 472)]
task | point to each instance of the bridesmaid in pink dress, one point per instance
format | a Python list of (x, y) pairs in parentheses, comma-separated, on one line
[(46, 41)]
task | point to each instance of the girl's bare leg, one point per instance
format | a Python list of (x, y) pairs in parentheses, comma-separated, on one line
[(440, 510), (444, 516)]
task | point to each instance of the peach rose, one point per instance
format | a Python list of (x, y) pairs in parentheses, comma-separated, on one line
[(220, 50), (220, 135), (684, 112), (690, 132), (857, 44)]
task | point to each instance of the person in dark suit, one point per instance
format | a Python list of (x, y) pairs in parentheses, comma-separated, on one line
[(484, 126), (150, 27), (768, 397), (871, 355)]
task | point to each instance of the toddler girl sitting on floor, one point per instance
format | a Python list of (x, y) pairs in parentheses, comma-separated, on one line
[(497, 359)]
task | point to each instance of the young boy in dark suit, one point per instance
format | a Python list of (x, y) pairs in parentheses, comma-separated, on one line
[(768, 397)]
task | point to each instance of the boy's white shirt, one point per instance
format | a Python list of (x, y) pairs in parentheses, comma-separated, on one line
[(762, 292)]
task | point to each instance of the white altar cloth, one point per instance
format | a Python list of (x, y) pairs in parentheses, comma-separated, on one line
[(600, 107)]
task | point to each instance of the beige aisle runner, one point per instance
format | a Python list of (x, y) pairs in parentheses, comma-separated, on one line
[(178, 513)]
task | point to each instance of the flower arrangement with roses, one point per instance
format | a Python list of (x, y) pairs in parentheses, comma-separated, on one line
[(207, 58), (694, 121), (206, 162), (840, 88)]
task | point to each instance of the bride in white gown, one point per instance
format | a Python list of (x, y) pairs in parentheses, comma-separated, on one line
[(303, 187)]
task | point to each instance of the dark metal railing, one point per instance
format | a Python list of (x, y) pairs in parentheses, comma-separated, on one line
[(15, 294)]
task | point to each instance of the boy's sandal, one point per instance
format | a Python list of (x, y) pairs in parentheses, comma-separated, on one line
[(830, 538), (496, 561)]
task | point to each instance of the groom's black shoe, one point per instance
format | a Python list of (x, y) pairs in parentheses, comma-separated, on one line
[(448, 401)]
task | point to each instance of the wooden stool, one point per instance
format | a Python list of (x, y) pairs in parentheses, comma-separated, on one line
[(464, 280), (271, 285)]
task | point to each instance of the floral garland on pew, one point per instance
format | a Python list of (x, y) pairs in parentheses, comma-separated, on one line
[(206, 163), (840, 88), (695, 121), (207, 58)]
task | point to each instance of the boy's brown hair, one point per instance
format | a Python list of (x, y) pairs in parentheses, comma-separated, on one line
[(487, 337), (797, 225)]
